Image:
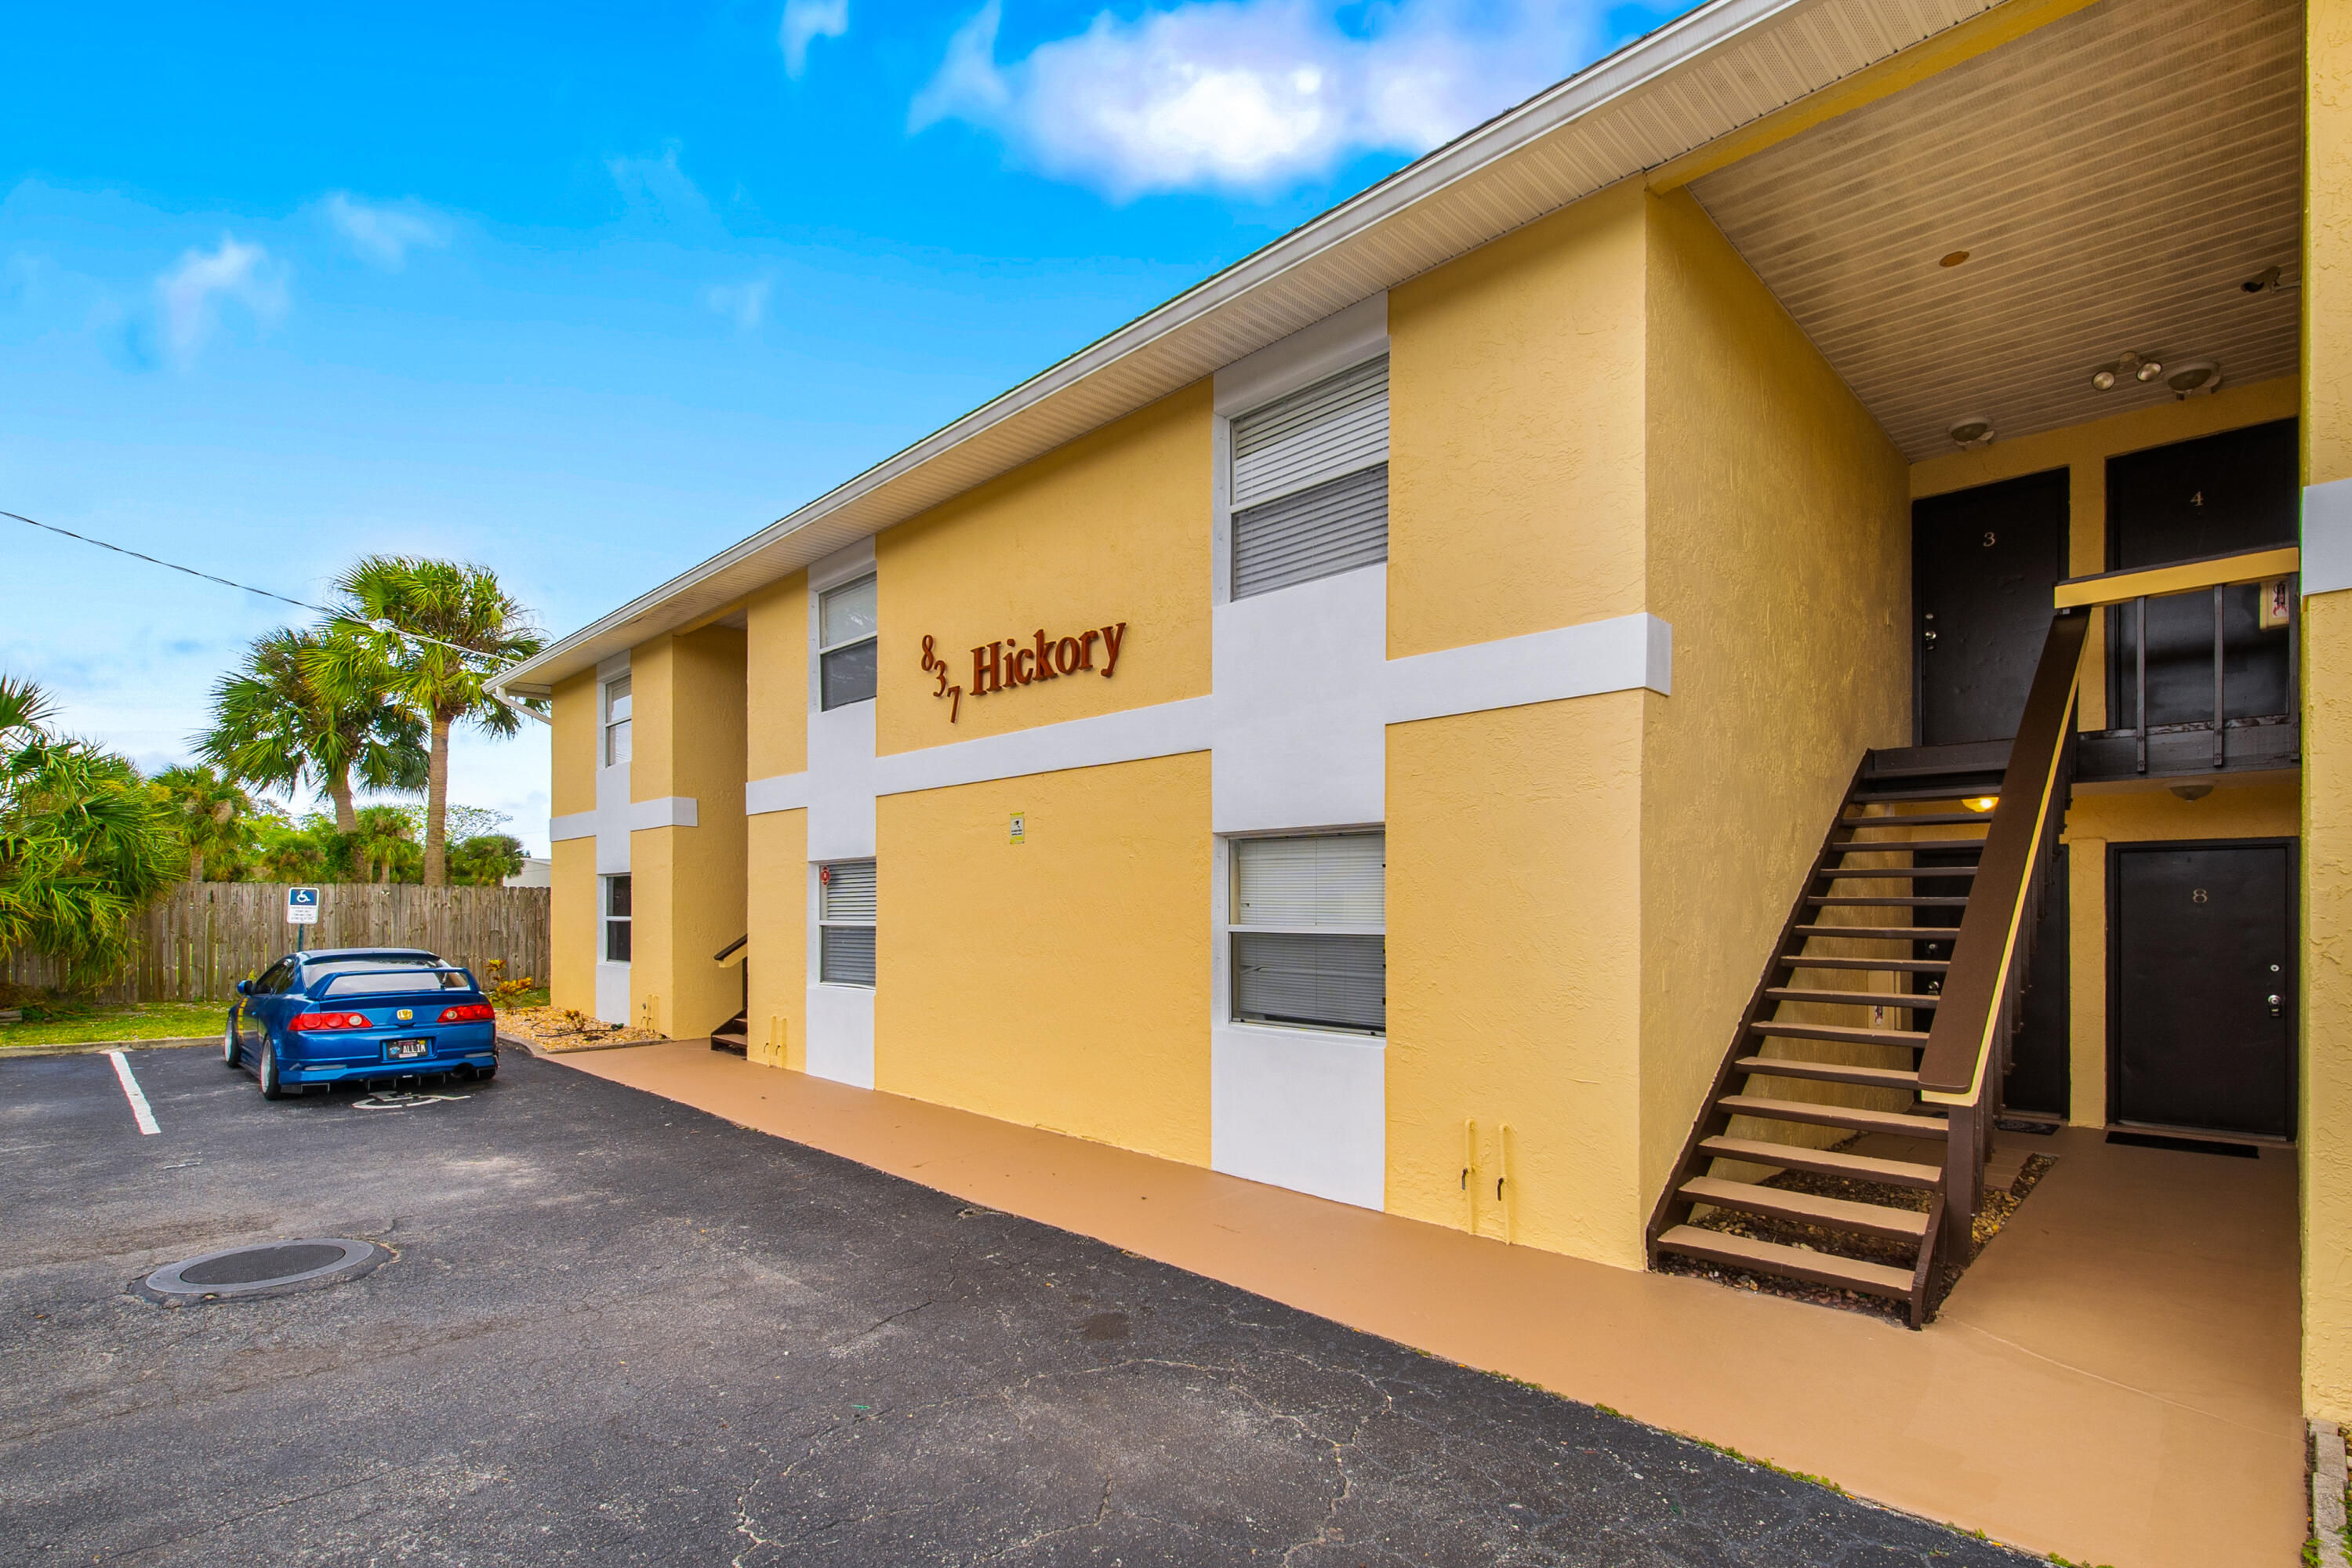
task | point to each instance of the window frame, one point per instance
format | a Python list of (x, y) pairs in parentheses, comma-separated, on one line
[(618, 728), (606, 921), (1229, 562), (825, 650), (1232, 928), (825, 921)]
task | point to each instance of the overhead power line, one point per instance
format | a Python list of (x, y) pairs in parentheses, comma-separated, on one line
[(375, 625)]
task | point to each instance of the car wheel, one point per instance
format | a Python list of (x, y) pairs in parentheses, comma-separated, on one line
[(228, 1043), (271, 1087)]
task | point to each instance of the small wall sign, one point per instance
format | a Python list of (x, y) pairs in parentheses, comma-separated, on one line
[(2278, 604), (1013, 663), (1020, 826)]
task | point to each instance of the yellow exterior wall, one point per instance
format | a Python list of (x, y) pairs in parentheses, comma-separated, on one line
[(2083, 451), (572, 893), (776, 891), (2327, 1077), (1514, 844), (1112, 527), (2135, 814), (688, 704), (1780, 550), (1515, 432), (572, 925), (1060, 982)]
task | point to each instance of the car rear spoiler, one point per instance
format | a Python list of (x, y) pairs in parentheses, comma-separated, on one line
[(336, 979)]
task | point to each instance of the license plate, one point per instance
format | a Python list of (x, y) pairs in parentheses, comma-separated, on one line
[(405, 1050)]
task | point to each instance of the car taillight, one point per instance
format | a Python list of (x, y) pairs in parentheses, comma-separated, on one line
[(468, 1013), (308, 1021)]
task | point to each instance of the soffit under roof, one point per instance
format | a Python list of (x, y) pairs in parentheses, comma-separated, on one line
[(1723, 66), (2115, 176)]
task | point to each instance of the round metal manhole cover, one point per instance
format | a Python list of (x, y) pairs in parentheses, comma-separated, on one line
[(271, 1269)]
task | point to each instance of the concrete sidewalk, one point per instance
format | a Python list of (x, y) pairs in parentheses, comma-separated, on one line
[(2115, 1381)]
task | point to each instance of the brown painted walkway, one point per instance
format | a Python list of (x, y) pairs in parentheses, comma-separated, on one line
[(2114, 1381)]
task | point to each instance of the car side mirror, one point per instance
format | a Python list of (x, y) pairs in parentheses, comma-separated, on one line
[(244, 987)]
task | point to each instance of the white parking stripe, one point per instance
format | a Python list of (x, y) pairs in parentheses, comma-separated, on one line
[(130, 1092)]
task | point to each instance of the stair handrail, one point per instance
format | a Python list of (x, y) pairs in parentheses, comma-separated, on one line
[(1968, 1042)]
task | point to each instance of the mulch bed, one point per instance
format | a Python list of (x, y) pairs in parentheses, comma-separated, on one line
[(1998, 1206), (570, 1029)]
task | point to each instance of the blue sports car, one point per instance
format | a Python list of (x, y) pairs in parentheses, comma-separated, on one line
[(360, 1015)]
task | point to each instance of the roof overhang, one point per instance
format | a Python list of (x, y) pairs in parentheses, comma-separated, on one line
[(1724, 66)]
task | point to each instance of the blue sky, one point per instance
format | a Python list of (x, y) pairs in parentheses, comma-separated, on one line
[(587, 294)]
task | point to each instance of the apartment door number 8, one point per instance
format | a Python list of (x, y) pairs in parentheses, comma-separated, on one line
[(1013, 663)]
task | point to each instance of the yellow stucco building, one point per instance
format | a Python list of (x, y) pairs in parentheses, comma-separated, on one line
[(1856, 491)]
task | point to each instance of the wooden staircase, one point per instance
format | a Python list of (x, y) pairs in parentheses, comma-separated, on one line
[(735, 1034), (1897, 972)]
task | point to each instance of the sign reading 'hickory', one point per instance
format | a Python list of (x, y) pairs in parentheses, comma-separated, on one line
[(1001, 665)]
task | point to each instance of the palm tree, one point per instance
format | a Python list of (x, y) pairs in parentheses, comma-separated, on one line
[(84, 842), (383, 831), (213, 816), (273, 728), (428, 634)]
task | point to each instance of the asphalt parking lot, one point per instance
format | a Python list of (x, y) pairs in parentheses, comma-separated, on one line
[(614, 1329)]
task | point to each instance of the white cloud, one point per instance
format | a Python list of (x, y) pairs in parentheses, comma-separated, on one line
[(747, 303), (188, 295), (384, 236), (1249, 95), (807, 19), (656, 181)]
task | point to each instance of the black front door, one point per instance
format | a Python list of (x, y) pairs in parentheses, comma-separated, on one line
[(2213, 496), (1983, 562), (2202, 1001)]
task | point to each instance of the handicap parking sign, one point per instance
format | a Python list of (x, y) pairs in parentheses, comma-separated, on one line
[(302, 906)]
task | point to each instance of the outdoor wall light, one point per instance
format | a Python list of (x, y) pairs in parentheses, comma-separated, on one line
[(2192, 792), (1982, 802), (2195, 379), (2138, 366), (1975, 430)]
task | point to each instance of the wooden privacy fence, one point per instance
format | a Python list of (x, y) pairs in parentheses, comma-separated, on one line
[(198, 940)]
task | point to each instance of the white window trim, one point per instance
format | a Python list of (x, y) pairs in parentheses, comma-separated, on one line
[(818, 923), (1222, 1012), (606, 919), (816, 629), (610, 724), (1347, 338)]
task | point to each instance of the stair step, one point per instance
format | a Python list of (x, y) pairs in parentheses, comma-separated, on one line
[(1858, 873), (1902, 965), (1925, 819), (1882, 934), (1922, 792), (1830, 1072), (1910, 1039), (1883, 846), (1885, 902), (1846, 1116), (1771, 1258), (1807, 1209), (1854, 998), (1825, 1161)]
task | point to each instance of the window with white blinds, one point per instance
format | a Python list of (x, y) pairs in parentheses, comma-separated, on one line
[(1311, 482), (1308, 931), (844, 912)]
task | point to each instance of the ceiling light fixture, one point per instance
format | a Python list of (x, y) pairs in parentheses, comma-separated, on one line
[(2267, 279), (1956, 257), (1974, 431), (1982, 802), (2130, 363), (2195, 379)]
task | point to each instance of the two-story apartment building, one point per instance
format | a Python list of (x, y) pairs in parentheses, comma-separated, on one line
[(1789, 590)]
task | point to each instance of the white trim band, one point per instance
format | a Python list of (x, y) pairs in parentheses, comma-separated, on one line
[(2328, 537), (781, 792), (669, 811), (579, 824), (1626, 654), (1132, 735)]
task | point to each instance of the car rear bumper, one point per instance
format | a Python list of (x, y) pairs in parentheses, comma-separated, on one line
[(477, 1048)]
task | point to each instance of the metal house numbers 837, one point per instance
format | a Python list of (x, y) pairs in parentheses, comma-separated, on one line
[(1013, 662)]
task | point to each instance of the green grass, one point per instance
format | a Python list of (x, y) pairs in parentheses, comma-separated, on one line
[(71, 1023)]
